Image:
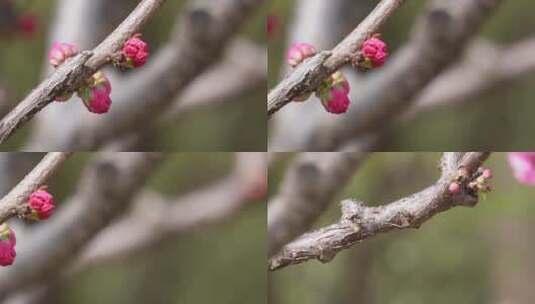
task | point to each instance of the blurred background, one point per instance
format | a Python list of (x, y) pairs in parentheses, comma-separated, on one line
[(483, 254), (213, 127), (499, 119), (214, 262)]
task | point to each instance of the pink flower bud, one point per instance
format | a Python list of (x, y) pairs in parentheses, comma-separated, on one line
[(375, 51), (487, 173), (334, 96), (7, 254), (454, 188), (28, 24), (299, 52), (136, 51), (340, 82), (523, 166), (272, 25), (96, 96), (42, 204), (60, 52), (337, 101), (100, 101), (7, 245)]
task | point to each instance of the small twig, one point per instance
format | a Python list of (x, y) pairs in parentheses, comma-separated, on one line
[(438, 40), (72, 73), (360, 222), (14, 203), (308, 76), (106, 188), (486, 67)]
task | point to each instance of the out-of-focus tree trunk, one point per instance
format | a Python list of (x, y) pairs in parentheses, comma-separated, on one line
[(513, 263), (359, 276)]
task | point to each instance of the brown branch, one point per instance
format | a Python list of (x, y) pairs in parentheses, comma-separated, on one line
[(486, 67), (360, 222), (311, 183), (202, 34), (72, 73), (155, 218), (15, 202), (245, 61), (106, 188), (308, 75), (438, 39)]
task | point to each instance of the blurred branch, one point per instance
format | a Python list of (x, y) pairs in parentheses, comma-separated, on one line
[(72, 73), (311, 183), (245, 61), (485, 67), (3, 100), (155, 218), (437, 41), (15, 202), (360, 222), (308, 75), (105, 189)]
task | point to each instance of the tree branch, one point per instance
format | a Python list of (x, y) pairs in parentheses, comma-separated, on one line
[(308, 75), (360, 222), (245, 61), (106, 188), (201, 36), (437, 41), (486, 67), (311, 183), (15, 202), (72, 73), (155, 218)]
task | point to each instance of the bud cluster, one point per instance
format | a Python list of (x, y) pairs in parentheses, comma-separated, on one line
[(478, 182), (96, 91), (40, 206), (334, 91)]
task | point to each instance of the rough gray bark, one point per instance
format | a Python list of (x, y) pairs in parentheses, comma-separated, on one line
[(359, 222), (309, 187)]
